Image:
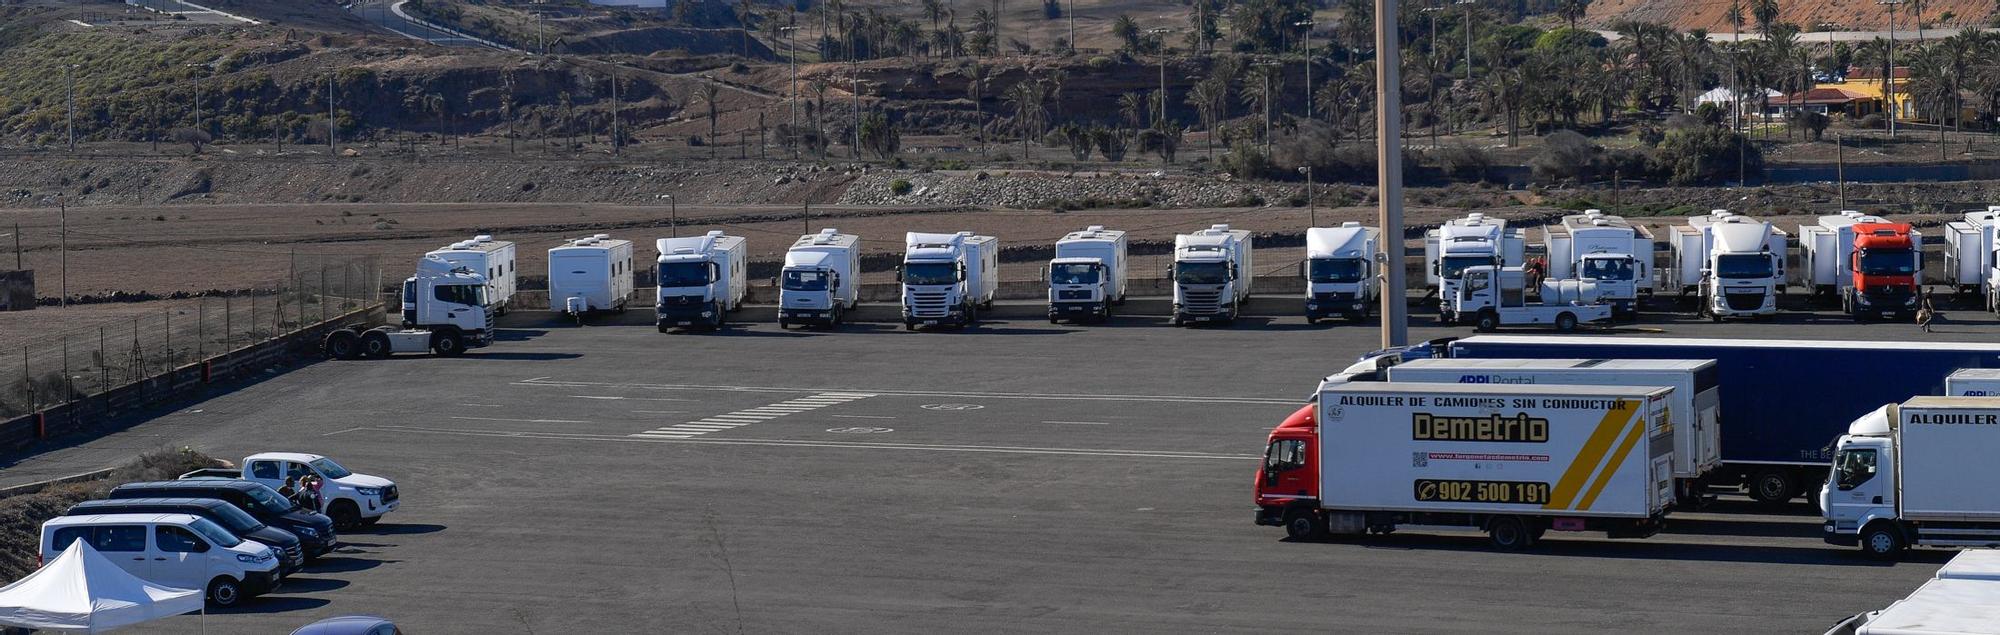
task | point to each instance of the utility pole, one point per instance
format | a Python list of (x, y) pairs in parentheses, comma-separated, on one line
[(1308, 24), (1889, 74), (673, 217), (1312, 204), (1468, 35), (62, 208), (854, 83), (1269, 66), (1072, 26), (1389, 172), (792, 101), (331, 127), (617, 142), (69, 111), (1840, 168), (1160, 121)]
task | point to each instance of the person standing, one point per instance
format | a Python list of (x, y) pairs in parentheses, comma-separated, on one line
[(1926, 313)]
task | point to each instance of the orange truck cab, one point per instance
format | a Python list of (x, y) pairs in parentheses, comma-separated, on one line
[(1886, 266)]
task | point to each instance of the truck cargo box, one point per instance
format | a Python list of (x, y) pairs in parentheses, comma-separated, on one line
[(1941, 607), (1947, 449)]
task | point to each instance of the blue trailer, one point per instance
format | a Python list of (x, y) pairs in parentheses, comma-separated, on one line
[(1784, 402)]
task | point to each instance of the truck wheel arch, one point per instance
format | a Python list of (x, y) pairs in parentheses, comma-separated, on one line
[(1883, 538)]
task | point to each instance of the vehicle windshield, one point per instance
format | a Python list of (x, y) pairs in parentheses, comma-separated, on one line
[(1324, 270), (215, 534), (930, 273), (330, 469), (1887, 262), (1452, 267), (683, 274), (1743, 266), (1853, 468), (804, 280), (1073, 274), (269, 501), (1607, 269), (236, 520), (1201, 272), (466, 294)]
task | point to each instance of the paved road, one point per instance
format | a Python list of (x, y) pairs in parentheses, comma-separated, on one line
[(389, 14), (1017, 477)]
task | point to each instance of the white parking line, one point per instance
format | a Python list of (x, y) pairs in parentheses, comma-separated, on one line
[(862, 416), (763, 413), (521, 420), (1279, 401), (1081, 423), (658, 437), (659, 412)]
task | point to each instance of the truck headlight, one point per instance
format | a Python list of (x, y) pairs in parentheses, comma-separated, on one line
[(1862, 300), (1359, 305), (1312, 305), (708, 314), (1910, 302), (373, 491)]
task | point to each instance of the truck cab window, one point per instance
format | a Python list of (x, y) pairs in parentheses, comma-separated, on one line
[(1853, 468), (1285, 454), (173, 539), (1336, 270), (466, 294), (930, 273), (802, 280), (1607, 269), (1073, 274)]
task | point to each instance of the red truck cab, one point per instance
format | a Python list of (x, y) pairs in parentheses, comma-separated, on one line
[(1886, 265), (1287, 483)]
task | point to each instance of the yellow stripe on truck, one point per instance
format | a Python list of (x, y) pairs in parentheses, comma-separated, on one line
[(1587, 458), (1635, 429)]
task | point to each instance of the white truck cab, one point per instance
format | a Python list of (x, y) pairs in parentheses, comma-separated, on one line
[(180, 551), (1468, 242), (1492, 297), (1733, 264), (348, 498), (947, 279), (1916, 473), (1607, 250), (1340, 271), (1087, 276), (1212, 275), (700, 280), (444, 311), (821, 280)]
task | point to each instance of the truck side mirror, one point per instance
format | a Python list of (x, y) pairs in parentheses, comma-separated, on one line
[(1042, 274), (899, 273), (1302, 268)]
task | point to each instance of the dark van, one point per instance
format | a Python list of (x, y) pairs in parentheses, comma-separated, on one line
[(290, 550), (314, 530)]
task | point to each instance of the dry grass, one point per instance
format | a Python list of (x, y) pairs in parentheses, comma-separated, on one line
[(21, 517)]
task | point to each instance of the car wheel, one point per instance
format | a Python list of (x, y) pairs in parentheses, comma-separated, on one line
[(224, 592), (1488, 322)]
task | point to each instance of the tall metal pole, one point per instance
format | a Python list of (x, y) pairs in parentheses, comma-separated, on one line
[(1161, 120), (1389, 172), (673, 217), (69, 111), (1840, 168), (1468, 37), (1308, 24), (792, 103), (1072, 25), (331, 127), (63, 209), (1889, 74)]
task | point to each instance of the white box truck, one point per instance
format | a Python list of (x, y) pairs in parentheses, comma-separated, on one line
[(948, 278), (1732, 264), (1087, 276), (1918, 473), (1970, 265), (1468, 242), (821, 281), (1340, 271), (1696, 406), (1607, 250), (1212, 274), (1514, 461), (491, 258), (1973, 382), (700, 278), (592, 273)]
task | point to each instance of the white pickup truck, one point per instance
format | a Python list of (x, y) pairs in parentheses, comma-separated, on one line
[(350, 499)]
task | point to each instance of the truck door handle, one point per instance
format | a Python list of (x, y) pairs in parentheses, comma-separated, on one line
[(1878, 500)]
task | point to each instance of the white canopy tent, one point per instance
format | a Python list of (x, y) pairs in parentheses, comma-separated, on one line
[(85, 592)]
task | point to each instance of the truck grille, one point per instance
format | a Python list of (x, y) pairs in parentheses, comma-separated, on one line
[(1201, 301), (1073, 294), (680, 300), (934, 304), (1887, 297), (1333, 296), (1743, 301)]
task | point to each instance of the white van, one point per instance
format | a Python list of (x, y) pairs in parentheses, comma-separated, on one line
[(182, 551)]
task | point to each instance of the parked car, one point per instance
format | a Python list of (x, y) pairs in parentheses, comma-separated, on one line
[(181, 551), (350, 625), (350, 499), (315, 531), (237, 521)]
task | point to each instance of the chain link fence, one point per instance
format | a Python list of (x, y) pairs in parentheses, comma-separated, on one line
[(76, 364)]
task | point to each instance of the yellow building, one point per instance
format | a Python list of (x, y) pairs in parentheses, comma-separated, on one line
[(1867, 83)]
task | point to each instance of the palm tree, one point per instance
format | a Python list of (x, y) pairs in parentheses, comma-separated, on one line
[(1055, 81), (1133, 106), (1028, 97), (745, 14), (1260, 94), (1572, 10), (1766, 13), (1206, 97), (707, 95), (975, 88), (1692, 55), (1735, 18), (934, 10), (436, 104), (1127, 31)]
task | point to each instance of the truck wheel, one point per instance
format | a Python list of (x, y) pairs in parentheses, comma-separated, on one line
[(1304, 525), (447, 345), (1881, 540), (1488, 322), (1715, 318), (909, 326), (1509, 533), (664, 328), (342, 344), (224, 592), (1565, 322), (345, 515), (1774, 487), (375, 345), (784, 324)]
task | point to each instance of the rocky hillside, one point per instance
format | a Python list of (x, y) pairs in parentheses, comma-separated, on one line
[(1842, 15)]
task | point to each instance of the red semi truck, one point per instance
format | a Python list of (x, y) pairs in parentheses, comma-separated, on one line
[(1874, 266)]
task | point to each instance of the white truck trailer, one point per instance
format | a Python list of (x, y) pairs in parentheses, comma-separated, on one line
[(1918, 473), (592, 273), (1696, 407), (1087, 276), (1510, 460), (1468, 242), (1340, 271), (487, 257), (1732, 264), (444, 311), (821, 281), (1970, 266), (700, 279), (1605, 249), (948, 278), (1212, 275), (1973, 382), (1491, 297)]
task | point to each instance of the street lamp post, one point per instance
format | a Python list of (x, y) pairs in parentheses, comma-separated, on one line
[(792, 100), (1161, 121), (1267, 65), (1312, 203), (1389, 172), (1889, 74), (1308, 24), (673, 217), (1468, 35), (69, 110)]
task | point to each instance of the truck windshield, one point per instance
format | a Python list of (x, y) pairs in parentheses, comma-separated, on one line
[(1324, 270), (683, 274), (1201, 272), (804, 280), (1743, 266), (1285, 454), (930, 273), (466, 294), (1853, 468), (1887, 262), (330, 469), (1607, 269), (1451, 267), (1073, 274)]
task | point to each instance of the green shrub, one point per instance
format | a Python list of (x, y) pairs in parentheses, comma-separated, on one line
[(900, 187)]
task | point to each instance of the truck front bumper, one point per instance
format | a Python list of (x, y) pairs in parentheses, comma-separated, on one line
[(958, 316), (1835, 537), (687, 315), (259, 582), (807, 316), (1078, 310), (1344, 307), (1271, 516)]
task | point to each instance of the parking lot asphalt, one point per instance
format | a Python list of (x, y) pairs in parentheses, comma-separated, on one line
[(1014, 477)]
